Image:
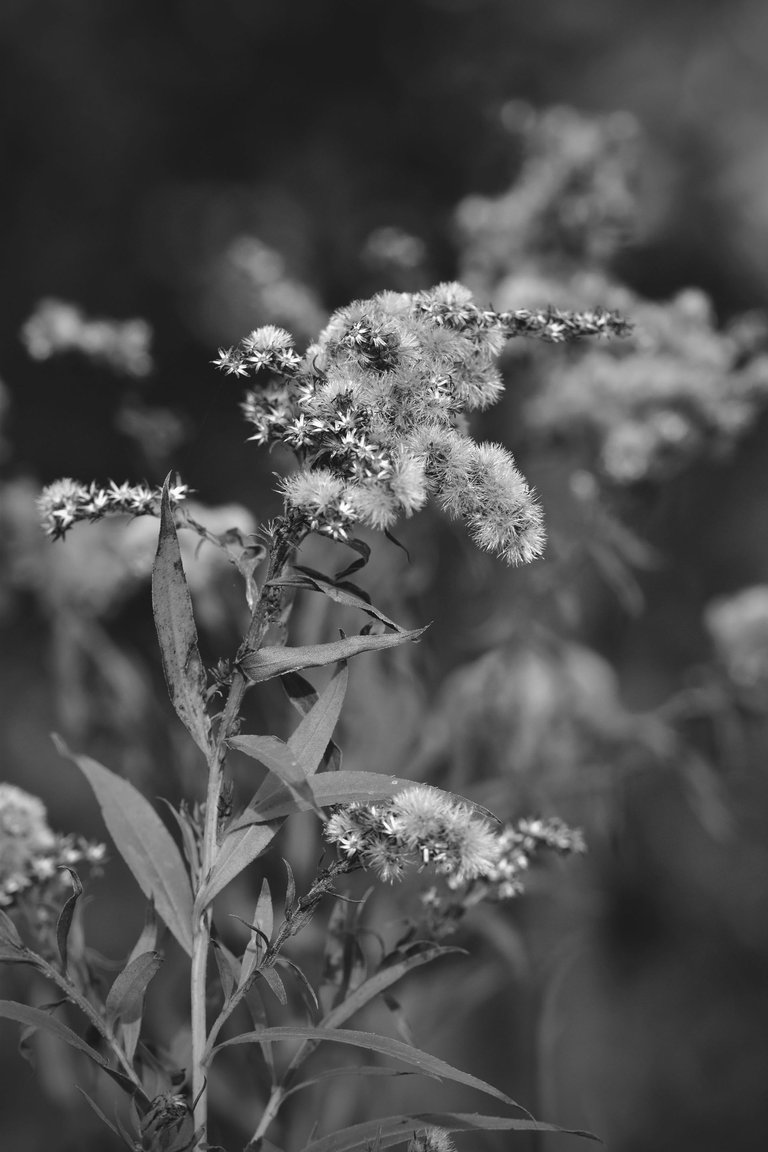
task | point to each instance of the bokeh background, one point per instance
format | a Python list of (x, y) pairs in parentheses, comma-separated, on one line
[(198, 169)]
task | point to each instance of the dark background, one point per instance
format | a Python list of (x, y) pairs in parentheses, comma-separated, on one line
[(140, 142)]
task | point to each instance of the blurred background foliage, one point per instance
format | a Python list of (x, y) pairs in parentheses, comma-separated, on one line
[(192, 170)]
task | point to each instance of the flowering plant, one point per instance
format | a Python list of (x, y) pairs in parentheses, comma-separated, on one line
[(374, 412)]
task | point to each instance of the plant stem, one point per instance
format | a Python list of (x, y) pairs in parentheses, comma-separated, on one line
[(265, 611)]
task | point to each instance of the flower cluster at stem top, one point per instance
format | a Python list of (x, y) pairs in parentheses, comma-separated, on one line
[(375, 413), (421, 825), (31, 854)]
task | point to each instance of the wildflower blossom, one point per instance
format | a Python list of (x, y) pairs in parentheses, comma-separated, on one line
[(31, 854), (422, 826), (374, 412), (431, 1140), (66, 502), (418, 826)]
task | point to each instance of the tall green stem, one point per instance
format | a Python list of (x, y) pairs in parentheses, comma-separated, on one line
[(265, 611)]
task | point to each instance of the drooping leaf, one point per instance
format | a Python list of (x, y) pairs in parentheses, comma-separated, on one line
[(65, 918), (176, 631), (308, 993), (263, 926), (130, 1031), (397, 1129), (125, 999), (144, 842), (381, 980), (269, 662), (427, 1064), (364, 551), (35, 1018), (345, 593)]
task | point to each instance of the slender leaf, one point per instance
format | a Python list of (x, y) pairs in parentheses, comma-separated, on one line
[(347, 1070), (65, 918), (345, 593), (391, 1130), (272, 978), (228, 967), (104, 1119), (327, 789), (35, 1018), (429, 1065), (144, 842), (12, 947), (176, 632), (269, 662), (304, 697), (382, 980), (263, 926), (238, 850), (280, 759), (125, 999), (308, 993), (129, 1032), (311, 740), (310, 743)]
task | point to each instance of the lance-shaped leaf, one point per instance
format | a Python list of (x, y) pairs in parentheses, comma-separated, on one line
[(35, 1018), (144, 842), (309, 743), (427, 1064), (307, 746), (129, 1032), (303, 696), (125, 999), (344, 593), (12, 947), (381, 980), (278, 756), (269, 662), (237, 851), (261, 933), (176, 632), (65, 919), (328, 789), (391, 1130)]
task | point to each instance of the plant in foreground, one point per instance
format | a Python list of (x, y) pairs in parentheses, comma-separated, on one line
[(375, 414)]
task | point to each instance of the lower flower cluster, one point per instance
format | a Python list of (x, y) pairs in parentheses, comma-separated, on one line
[(422, 826), (32, 856)]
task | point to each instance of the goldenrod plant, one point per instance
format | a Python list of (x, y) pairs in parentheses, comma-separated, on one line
[(375, 414)]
